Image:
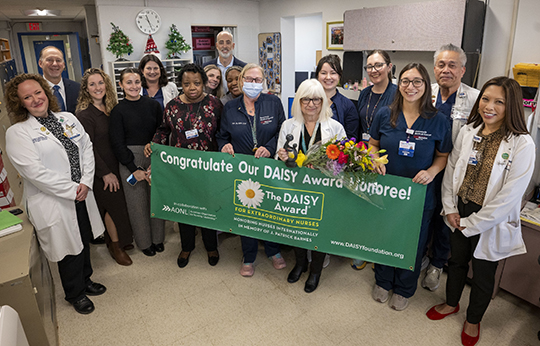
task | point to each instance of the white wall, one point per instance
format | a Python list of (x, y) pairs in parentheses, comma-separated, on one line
[(240, 13), (306, 42)]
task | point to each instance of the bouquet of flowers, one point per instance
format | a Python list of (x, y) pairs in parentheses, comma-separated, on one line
[(346, 159)]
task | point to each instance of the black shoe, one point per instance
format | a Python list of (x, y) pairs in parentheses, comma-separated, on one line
[(149, 252), (158, 247), (181, 261), (95, 289), (295, 273), (213, 257), (312, 283), (99, 240), (83, 306)]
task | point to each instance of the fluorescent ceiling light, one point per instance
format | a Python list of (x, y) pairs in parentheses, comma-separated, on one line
[(41, 13)]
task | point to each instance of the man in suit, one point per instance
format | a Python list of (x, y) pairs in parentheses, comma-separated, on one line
[(51, 61), (226, 59)]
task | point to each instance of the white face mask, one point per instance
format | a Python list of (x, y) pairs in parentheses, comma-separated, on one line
[(252, 90)]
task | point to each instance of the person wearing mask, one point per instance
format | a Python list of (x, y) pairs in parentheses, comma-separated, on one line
[(487, 175), (328, 73), (53, 154), (454, 99), (417, 139), (155, 83), (133, 122), (311, 123), (95, 103), (250, 125), (191, 121)]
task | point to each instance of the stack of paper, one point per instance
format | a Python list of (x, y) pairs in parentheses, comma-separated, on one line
[(9, 223)]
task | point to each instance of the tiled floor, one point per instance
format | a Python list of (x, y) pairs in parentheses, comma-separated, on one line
[(153, 302)]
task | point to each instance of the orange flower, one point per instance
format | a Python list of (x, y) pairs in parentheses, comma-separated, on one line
[(332, 151)]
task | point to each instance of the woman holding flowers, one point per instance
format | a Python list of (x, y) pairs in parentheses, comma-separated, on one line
[(311, 123), (487, 174), (417, 139)]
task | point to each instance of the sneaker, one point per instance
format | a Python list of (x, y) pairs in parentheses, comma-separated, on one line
[(326, 262), (379, 294), (247, 270), (357, 264), (425, 262), (398, 302), (278, 261), (432, 279)]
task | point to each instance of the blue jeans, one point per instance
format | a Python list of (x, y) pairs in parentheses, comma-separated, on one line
[(250, 246)]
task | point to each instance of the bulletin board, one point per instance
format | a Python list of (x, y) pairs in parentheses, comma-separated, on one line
[(270, 59)]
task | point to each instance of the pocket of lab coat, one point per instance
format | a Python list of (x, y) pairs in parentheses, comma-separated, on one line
[(43, 211), (507, 237)]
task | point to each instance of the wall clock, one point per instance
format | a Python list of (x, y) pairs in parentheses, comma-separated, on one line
[(148, 21)]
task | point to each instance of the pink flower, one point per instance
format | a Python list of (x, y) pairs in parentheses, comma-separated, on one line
[(343, 158)]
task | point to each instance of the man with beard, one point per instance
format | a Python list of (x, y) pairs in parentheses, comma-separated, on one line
[(226, 59)]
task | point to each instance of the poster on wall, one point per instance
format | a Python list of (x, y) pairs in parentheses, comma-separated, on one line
[(270, 60)]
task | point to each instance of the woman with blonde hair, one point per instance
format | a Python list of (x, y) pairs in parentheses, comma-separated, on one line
[(96, 100), (213, 85), (53, 154), (312, 122), (250, 125)]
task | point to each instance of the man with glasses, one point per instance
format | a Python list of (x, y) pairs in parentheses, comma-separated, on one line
[(455, 100), (226, 59), (66, 91)]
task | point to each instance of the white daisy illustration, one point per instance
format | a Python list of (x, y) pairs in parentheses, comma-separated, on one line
[(250, 193)]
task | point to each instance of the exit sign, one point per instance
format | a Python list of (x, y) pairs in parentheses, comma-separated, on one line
[(34, 26)]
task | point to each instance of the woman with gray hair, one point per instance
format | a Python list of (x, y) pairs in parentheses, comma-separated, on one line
[(311, 123)]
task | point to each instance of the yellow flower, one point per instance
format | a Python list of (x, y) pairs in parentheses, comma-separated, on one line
[(300, 159), (347, 145), (383, 160), (290, 154)]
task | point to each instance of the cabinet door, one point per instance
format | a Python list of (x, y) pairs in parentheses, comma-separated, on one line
[(521, 274)]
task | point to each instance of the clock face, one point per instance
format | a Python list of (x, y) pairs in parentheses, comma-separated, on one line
[(148, 21)]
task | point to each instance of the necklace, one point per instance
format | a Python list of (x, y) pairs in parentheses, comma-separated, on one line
[(369, 117)]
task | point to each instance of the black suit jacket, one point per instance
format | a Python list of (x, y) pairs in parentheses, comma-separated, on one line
[(72, 89), (236, 62)]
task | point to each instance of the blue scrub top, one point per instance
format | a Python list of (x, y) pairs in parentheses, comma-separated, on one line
[(429, 135), (446, 108), (158, 97)]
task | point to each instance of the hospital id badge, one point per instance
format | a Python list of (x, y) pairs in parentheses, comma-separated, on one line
[(406, 148), (192, 134), (365, 137), (473, 158)]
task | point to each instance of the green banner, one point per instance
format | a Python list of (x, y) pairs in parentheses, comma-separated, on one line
[(264, 199)]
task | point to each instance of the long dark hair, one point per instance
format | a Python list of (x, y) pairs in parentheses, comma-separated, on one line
[(163, 80), (386, 58), (427, 110), (514, 120)]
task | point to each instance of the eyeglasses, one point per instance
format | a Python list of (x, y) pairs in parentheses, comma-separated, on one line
[(375, 67), (316, 101), (253, 80), (417, 82)]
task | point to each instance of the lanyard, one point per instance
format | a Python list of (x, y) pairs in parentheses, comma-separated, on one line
[(253, 125), (409, 132), (369, 119), (312, 139)]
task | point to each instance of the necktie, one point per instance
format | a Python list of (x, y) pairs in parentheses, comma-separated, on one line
[(56, 93)]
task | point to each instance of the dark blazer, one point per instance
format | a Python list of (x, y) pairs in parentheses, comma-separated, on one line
[(236, 62), (72, 89)]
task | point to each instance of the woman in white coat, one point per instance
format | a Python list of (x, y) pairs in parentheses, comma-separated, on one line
[(155, 83), (311, 123), (54, 155), (487, 174)]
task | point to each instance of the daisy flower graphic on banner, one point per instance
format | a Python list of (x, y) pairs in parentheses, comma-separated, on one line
[(250, 194)]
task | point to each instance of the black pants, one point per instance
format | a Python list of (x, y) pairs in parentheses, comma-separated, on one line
[(187, 236), (483, 281), (75, 270), (317, 259)]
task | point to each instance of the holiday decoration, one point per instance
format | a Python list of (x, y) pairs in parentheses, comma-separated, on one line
[(119, 43), (176, 43), (151, 47)]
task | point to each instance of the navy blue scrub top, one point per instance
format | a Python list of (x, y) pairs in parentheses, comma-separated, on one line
[(158, 96), (446, 108), (429, 135)]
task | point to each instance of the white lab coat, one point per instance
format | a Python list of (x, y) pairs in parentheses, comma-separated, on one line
[(498, 222), (49, 192), (466, 102), (329, 129)]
